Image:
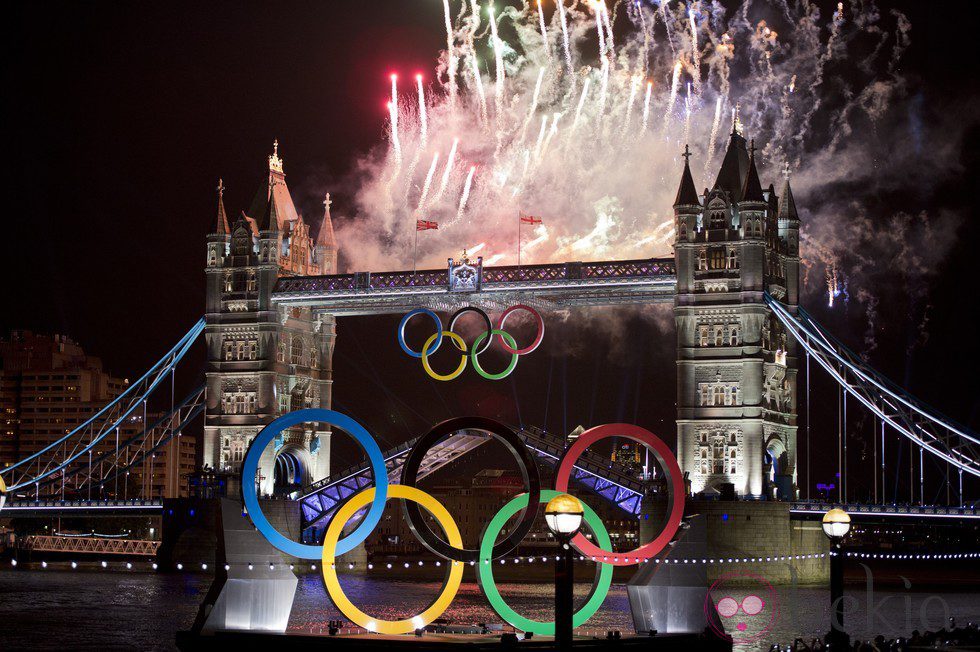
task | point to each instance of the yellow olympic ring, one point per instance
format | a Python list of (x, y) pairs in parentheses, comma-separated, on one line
[(460, 344), (336, 592)]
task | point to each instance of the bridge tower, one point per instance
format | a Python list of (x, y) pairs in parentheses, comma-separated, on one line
[(736, 371), (264, 361)]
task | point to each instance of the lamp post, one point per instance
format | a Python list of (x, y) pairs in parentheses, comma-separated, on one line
[(836, 524), (563, 514)]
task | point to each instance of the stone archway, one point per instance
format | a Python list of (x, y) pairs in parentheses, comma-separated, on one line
[(291, 469)]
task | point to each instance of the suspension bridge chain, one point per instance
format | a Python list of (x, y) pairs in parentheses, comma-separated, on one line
[(921, 424), (74, 455)]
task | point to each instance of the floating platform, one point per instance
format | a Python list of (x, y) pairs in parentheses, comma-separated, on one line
[(187, 641)]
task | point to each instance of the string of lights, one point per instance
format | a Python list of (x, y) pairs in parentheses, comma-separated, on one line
[(390, 565)]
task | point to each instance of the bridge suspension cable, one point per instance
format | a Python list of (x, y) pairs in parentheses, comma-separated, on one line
[(50, 463), (917, 422)]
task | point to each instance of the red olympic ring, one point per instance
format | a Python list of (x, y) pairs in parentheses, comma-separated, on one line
[(675, 486), (537, 339)]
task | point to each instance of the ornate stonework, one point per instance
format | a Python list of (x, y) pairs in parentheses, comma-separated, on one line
[(736, 375), (263, 362)]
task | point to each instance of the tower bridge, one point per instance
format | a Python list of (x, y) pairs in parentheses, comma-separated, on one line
[(273, 298)]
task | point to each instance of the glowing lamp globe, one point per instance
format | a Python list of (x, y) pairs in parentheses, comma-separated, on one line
[(563, 514), (836, 523)]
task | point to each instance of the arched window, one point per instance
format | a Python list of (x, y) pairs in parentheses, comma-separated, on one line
[(251, 281), (717, 219), (702, 259), (719, 395), (717, 258), (296, 351), (703, 332), (719, 335), (733, 336), (733, 258)]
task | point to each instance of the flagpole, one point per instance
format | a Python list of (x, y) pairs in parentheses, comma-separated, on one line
[(415, 256), (519, 223)]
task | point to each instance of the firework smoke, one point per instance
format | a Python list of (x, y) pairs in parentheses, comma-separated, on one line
[(560, 139)]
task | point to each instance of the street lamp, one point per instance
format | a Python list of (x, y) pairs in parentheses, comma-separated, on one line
[(836, 524), (563, 514)]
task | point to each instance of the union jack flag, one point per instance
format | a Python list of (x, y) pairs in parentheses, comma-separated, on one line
[(425, 225)]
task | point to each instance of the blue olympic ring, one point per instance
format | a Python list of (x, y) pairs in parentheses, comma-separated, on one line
[(404, 322), (251, 466)]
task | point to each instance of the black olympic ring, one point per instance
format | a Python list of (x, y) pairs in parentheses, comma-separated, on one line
[(486, 318), (529, 471)]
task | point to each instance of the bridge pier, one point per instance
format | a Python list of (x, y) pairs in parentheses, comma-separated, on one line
[(750, 528)]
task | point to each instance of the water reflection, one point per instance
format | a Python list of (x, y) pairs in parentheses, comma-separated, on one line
[(111, 610)]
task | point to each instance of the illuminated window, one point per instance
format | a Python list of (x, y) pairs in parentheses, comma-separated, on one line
[(733, 258), (702, 259), (717, 258)]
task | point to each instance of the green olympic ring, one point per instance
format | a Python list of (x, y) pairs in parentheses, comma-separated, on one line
[(600, 587)]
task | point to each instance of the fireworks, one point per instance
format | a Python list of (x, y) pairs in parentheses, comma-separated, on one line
[(567, 132)]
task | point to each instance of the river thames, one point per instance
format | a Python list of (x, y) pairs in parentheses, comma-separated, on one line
[(114, 610)]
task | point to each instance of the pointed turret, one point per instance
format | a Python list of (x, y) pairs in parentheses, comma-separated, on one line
[(221, 221), (274, 188), (787, 205), (734, 168), (687, 194), (325, 237), (752, 190), (270, 216)]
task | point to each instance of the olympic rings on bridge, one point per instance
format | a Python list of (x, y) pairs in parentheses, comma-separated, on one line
[(675, 489), (480, 345), (600, 585), (529, 473), (251, 465), (450, 585)]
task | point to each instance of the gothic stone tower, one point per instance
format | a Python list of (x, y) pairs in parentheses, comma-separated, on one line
[(736, 371), (265, 361)]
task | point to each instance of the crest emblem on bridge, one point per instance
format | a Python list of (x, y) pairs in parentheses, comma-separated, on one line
[(464, 276)]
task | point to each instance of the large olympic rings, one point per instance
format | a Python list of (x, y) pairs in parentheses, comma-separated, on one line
[(454, 570), (675, 488), (452, 548), (251, 465), (529, 472), (600, 585), (482, 343)]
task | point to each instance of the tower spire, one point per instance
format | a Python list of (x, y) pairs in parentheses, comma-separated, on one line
[(221, 221), (787, 204), (687, 194), (270, 219), (752, 190), (325, 236)]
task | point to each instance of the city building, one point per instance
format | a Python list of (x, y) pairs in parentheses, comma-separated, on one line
[(49, 386), (264, 361), (736, 368)]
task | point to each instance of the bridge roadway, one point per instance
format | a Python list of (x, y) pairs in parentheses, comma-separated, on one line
[(592, 471), (552, 286), (53, 508)]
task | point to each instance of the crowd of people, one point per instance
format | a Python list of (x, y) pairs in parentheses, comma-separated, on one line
[(952, 637)]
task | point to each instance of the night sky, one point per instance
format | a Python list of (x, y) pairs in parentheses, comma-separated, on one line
[(122, 117)]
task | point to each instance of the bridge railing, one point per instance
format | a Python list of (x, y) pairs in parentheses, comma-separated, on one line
[(91, 545), (429, 278)]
